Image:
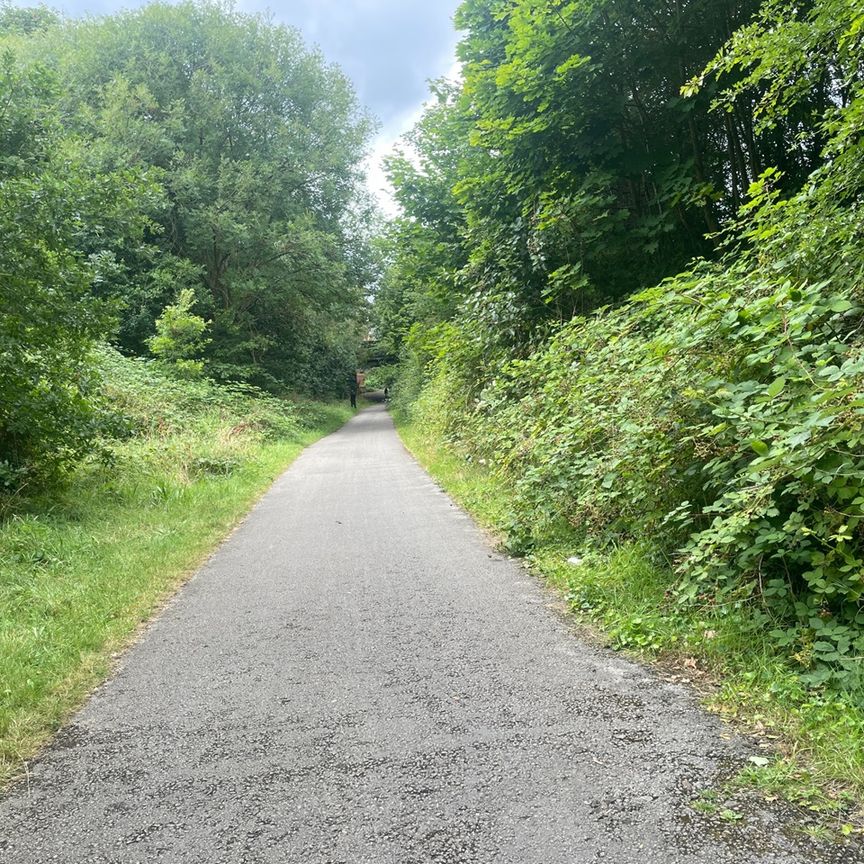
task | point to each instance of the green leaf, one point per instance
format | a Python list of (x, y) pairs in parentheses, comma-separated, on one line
[(760, 447), (840, 305), (776, 388)]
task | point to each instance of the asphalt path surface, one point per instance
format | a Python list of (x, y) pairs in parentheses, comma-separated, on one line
[(357, 676)]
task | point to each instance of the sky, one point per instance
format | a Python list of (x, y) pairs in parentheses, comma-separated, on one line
[(389, 48)]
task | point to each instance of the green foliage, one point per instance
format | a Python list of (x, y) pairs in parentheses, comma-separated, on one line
[(180, 335), (424, 250), (792, 54), (576, 162), (50, 195), (254, 142), (26, 20), (257, 142), (379, 377), (159, 168), (146, 398), (721, 411)]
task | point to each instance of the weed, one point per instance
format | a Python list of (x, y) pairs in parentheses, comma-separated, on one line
[(728, 815)]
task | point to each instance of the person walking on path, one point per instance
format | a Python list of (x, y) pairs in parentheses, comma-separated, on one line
[(352, 390)]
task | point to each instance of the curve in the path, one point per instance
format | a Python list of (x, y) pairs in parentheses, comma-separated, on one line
[(356, 676)]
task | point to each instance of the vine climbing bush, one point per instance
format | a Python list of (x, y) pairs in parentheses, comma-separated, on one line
[(727, 423)]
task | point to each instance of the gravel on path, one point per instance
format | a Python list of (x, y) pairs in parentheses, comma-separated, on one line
[(357, 676)]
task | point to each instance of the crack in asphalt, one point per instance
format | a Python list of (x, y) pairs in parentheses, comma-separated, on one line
[(354, 679)]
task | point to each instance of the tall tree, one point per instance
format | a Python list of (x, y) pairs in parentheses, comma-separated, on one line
[(586, 164), (425, 248), (255, 142), (50, 195)]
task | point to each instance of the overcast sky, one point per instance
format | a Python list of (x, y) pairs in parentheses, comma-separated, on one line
[(389, 48)]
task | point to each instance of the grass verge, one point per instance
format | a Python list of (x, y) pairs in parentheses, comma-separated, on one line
[(813, 741), (83, 567)]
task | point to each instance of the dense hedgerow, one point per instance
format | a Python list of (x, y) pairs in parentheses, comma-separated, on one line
[(718, 416), (720, 413)]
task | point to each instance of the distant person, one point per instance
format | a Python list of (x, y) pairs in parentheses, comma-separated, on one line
[(386, 394), (352, 390)]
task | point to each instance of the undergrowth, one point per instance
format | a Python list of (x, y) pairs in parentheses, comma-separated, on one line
[(814, 738), (82, 565)]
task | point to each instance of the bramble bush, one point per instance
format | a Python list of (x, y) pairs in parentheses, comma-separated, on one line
[(720, 413), (728, 424)]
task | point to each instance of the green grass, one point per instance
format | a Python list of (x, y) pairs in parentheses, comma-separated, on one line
[(474, 487), (83, 567), (814, 741)]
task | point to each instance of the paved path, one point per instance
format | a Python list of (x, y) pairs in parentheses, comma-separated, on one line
[(357, 677)]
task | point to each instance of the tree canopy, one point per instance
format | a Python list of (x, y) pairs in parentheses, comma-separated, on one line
[(577, 162), (173, 154)]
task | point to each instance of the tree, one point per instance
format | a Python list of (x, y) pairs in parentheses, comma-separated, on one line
[(179, 335), (27, 20), (255, 143), (49, 317), (583, 166), (425, 248)]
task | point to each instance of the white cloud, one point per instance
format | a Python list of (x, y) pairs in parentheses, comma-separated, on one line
[(387, 140)]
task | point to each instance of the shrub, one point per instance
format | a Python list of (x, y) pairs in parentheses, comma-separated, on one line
[(180, 335), (720, 413)]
